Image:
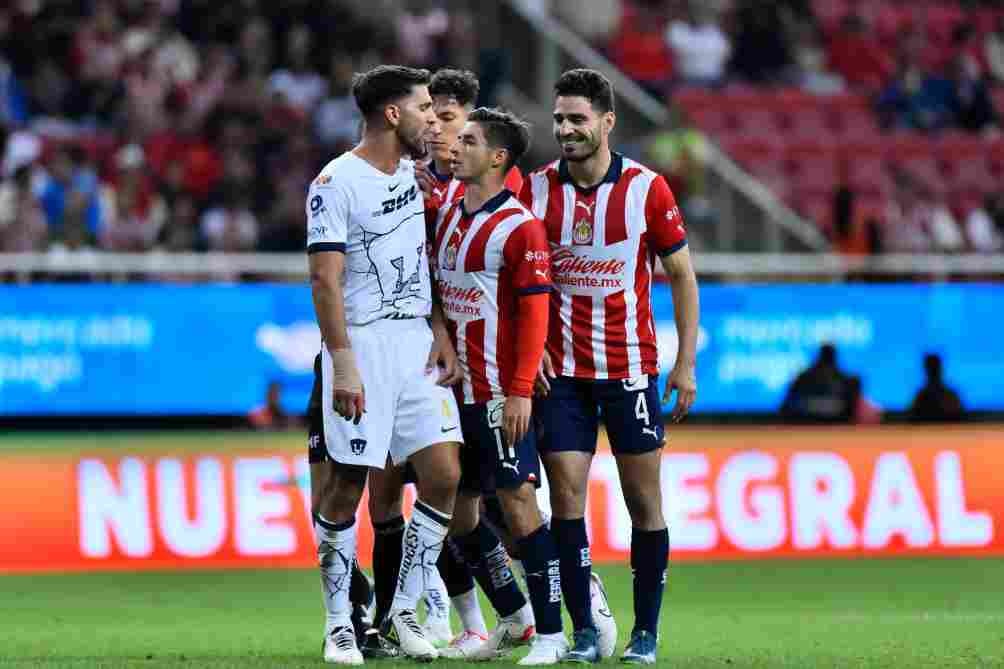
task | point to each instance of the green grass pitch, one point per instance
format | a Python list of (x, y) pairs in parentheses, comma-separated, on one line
[(855, 613)]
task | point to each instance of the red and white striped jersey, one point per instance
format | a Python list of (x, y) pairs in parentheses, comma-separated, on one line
[(603, 241), (448, 190), (482, 262)]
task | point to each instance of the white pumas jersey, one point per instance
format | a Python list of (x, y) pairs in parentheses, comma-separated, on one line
[(378, 221)]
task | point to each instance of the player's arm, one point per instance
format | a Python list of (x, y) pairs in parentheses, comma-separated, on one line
[(667, 237), (326, 237), (526, 252), (442, 355)]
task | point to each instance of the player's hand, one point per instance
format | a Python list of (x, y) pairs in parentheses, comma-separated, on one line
[(683, 380), (542, 385), (516, 418), (349, 394), (442, 356), (426, 181)]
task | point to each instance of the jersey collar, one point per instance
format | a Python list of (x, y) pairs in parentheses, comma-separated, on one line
[(491, 206), (439, 177), (611, 177)]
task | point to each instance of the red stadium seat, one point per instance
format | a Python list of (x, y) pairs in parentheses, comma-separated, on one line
[(694, 99), (905, 147), (711, 120), (817, 175), (747, 150), (864, 172), (818, 209), (808, 123), (757, 120)]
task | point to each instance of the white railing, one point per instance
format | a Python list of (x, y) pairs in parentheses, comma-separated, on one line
[(737, 266)]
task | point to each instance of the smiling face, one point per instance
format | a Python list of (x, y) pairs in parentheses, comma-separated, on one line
[(452, 116), (579, 129)]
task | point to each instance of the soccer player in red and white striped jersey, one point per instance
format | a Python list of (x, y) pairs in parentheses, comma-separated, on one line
[(492, 267), (607, 218)]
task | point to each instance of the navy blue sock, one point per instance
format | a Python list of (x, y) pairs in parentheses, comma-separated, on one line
[(387, 552), (543, 578), (649, 559), (455, 572), (576, 566), (486, 557)]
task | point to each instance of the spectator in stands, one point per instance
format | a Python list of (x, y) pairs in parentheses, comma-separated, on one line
[(22, 220), (284, 229), (854, 234), (681, 157), (421, 31), (810, 68), (917, 100), (946, 235), (935, 402), (72, 190), (762, 52), (981, 231), (866, 412), (133, 211), (337, 119), (820, 394), (594, 20), (181, 232), (856, 55), (973, 107), (299, 85), (639, 47), (231, 226), (13, 98), (701, 49), (994, 51)]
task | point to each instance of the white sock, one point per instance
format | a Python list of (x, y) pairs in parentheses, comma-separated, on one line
[(437, 601), (336, 552), (422, 542), (468, 608)]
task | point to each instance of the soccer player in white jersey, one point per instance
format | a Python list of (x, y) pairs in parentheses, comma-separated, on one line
[(385, 353), (607, 217), (492, 267)]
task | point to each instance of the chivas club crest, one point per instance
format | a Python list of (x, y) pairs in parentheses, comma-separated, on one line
[(450, 259), (582, 233)]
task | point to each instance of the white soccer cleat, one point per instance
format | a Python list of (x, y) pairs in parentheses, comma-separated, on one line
[(437, 631), (340, 646), (508, 634), (606, 626), (464, 646), (545, 649), (402, 629)]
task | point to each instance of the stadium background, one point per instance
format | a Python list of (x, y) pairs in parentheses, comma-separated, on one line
[(841, 168)]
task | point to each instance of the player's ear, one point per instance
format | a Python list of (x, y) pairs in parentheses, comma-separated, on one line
[(500, 157), (392, 114), (609, 121)]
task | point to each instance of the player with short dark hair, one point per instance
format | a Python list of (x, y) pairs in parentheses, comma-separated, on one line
[(466, 557), (492, 265), (606, 217), (386, 356)]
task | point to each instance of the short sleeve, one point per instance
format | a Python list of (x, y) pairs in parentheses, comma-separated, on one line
[(664, 225), (327, 216), (528, 257)]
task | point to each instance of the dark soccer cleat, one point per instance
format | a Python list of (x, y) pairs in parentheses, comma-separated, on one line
[(641, 649), (585, 647), (361, 623), (375, 647)]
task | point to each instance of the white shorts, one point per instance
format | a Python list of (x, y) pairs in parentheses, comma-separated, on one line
[(405, 410)]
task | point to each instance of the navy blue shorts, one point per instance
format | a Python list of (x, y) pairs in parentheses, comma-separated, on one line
[(486, 461), (568, 419)]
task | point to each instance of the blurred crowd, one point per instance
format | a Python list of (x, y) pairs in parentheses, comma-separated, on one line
[(878, 119), (130, 125)]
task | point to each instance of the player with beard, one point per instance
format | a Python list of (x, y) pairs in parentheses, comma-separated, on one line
[(465, 557), (607, 217), (386, 356)]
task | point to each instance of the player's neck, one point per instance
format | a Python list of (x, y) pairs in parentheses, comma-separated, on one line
[(382, 150), (443, 167), (476, 193), (589, 172)]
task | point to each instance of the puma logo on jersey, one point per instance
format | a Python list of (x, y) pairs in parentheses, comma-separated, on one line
[(540, 273), (651, 431), (586, 206)]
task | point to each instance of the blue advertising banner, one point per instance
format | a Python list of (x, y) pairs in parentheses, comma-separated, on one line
[(213, 349)]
